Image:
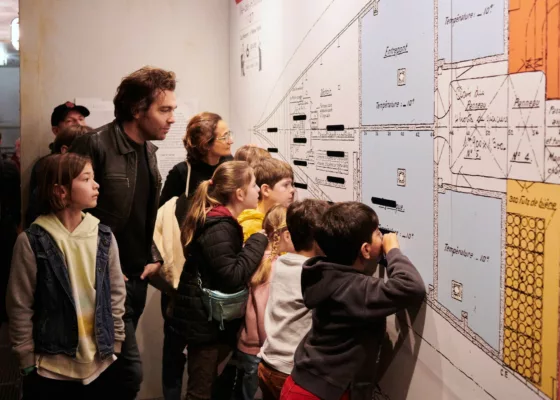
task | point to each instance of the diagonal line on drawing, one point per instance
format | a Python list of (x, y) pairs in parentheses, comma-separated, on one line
[(464, 72), (495, 95), (551, 218), (482, 114), (264, 119), (443, 106), (521, 184), (490, 151), (445, 143), (459, 174), (525, 132), (459, 156)]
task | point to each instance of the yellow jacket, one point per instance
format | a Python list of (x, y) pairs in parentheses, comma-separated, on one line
[(251, 221)]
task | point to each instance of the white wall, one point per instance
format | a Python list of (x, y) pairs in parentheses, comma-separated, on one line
[(82, 48), (9, 105)]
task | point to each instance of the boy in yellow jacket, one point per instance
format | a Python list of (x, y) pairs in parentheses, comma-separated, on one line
[(276, 180)]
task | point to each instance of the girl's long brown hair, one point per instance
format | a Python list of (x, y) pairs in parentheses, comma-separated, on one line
[(274, 224), (219, 190)]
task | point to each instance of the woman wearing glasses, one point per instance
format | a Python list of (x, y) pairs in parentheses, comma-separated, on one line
[(208, 143)]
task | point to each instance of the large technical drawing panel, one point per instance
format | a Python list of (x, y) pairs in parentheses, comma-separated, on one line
[(469, 261), (486, 182), (315, 126), (531, 282), (398, 63), (498, 126), (470, 29), (398, 183)]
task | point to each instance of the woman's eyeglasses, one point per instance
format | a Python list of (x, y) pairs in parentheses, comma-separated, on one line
[(227, 136)]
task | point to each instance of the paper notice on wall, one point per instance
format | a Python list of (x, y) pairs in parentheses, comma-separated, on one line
[(171, 150), (101, 111), (250, 49)]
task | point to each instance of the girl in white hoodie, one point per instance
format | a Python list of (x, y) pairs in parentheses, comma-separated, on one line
[(66, 291)]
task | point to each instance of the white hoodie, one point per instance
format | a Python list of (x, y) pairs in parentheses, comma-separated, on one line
[(286, 319)]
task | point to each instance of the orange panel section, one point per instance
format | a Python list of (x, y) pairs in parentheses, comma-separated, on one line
[(534, 40)]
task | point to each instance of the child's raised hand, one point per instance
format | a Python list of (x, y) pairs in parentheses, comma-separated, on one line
[(390, 242)]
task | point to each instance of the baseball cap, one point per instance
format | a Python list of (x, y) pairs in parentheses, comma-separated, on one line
[(59, 113)]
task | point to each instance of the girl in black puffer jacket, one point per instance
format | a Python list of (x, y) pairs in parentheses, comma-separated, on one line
[(214, 248)]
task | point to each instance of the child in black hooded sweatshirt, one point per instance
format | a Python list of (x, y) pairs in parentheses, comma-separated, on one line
[(349, 305)]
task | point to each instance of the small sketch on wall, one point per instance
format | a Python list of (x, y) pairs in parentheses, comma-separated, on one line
[(401, 77), (457, 290), (401, 177)]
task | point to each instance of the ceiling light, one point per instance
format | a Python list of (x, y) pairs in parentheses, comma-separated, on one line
[(15, 33)]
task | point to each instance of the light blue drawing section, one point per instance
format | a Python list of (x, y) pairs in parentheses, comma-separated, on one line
[(470, 29), (385, 157), (469, 259), (398, 63)]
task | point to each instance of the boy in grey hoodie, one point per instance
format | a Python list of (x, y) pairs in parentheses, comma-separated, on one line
[(287, 319), (349, 306)]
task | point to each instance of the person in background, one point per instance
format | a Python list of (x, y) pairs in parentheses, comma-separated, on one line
[(68, 114), (66, 136), (16, 157), (286, 319), (66, 292), (208, 143), (63, 116), (251, 153), (349, 306), (216, 260), (124, 160), (276, 180), (10, 219)]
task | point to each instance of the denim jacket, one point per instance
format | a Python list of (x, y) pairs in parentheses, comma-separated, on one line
[(55, 325)]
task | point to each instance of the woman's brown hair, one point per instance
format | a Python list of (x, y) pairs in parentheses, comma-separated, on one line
[(200, 135), (274, 224), (58, 170), (227, 178)]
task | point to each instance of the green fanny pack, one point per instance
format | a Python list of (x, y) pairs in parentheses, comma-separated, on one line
[(222, 307)]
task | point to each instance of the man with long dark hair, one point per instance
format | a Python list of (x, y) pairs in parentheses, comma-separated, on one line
[(125, 165)]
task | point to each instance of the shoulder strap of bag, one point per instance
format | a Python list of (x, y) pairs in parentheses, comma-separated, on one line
[(188, 178)]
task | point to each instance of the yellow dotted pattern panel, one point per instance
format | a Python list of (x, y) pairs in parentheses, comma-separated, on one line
[(523, 314)]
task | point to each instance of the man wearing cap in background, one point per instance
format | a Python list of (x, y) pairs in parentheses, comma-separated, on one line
[(68, 114), (63, 116)]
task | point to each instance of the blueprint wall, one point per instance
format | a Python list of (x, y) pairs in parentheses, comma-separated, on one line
[(444, 116)]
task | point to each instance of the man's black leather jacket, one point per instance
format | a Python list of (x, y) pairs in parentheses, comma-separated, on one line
[(114, 164)]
